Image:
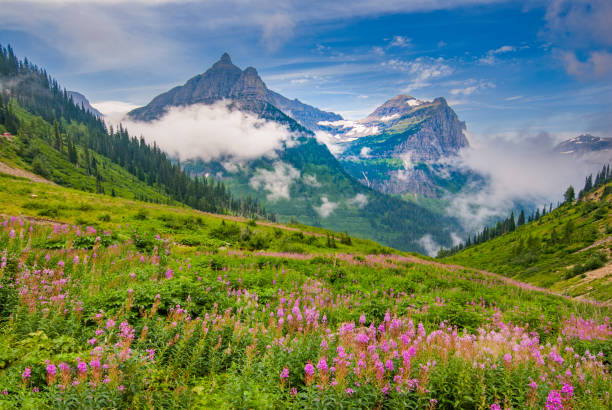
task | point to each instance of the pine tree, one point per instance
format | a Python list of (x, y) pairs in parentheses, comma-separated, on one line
[(521, 218), (569, 195)]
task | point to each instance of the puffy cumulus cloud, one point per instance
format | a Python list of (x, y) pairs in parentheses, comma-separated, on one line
[(311, 180), (359, 200), (212, 132), (517, 169), (430, 246), (277, 181), (326, 207)]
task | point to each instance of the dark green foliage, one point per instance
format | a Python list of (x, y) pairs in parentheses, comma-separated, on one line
[(62, 124)]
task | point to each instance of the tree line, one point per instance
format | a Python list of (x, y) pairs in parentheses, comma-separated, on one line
[(512, 223), (75, 132)]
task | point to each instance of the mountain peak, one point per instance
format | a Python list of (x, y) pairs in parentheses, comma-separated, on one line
[(225, 58), (250, 72)]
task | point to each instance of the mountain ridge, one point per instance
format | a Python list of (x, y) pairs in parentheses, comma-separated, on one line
[(224, 80)]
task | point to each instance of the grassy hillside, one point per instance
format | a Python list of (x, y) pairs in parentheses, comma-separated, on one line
[(114, 303), (567, 250)]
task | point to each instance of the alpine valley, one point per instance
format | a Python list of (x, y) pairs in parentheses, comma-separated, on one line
[(237, 249), (403, 147)]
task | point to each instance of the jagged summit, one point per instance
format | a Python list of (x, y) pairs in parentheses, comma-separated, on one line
[(225, 58), (226, 81)]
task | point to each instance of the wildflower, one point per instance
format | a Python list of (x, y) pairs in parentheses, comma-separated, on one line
[(82, 366), (567, 390), (309, 369), (285, 373), (362, 319), (51, 370), (553, 402), (322, 365), (389, 365), (508, 358), (495, 406), (324, 344), (110, 323), (27, 373), (121, 387), (349, 391), (293, 391), (533, 385), (169, 273)]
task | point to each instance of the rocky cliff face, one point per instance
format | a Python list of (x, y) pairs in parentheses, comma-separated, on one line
[(81, 101), (245, 88), (403, 146)]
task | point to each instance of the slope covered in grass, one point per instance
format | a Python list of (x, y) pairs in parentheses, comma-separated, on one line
[(567, 250), (115, 303)]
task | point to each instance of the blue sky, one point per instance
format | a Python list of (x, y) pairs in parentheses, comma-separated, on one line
[(508, 68)]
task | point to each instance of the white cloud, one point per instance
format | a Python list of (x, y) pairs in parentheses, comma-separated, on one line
[(581, 27), (213, 132), (277, 182), (429, 244), (359, 200), (311, 180), (326, 208), (113, 34), (421, 70), (513, 98), (516, 168), (503, 49), (579, 23), (489, 58), (400, 41), (472, 87), (113, 108), (597, 65), (365, 152)]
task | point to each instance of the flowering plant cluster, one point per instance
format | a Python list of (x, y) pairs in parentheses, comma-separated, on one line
[(119, 325)]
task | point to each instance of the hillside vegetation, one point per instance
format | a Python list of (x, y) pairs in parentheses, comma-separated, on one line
[(567, 250), (114, 303)]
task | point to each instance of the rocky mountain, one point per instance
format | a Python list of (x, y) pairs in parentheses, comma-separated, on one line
[(81, 101), (224, 80), (584, 144), (301, 180), (402, 147)]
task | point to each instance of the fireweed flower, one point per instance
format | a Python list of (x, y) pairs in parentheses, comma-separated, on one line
[(567, 390), (26, 374), (495, 406), (82, 367), (554, 401), (51, 370), (284, 373), (309, 369), (322, 365)]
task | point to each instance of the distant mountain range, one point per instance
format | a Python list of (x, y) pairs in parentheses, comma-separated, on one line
[(584, 144), (303, 180), (81, 101), (402, 147)]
